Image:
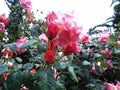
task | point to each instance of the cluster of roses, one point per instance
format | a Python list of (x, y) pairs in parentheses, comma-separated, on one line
[(7, 52), (63, 35), (3, 22)]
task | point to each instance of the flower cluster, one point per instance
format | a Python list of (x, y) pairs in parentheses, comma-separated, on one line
[(64, 33), (27, 5)]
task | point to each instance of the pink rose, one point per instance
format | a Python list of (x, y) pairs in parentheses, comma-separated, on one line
[(118, 42), (63, 29), (118, 85), (19, 43), (25, 3), (66, 36), (119, 37), (104, 36), (52, 16), (56, 74), (109, 62), (2, 27), (110, 86), (24, 88), (43, 37), (84, 38), (4, 19), (93, 70), (107, 53), (28, 10)]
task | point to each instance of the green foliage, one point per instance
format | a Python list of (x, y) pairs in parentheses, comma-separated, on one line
[(27, 44), (3, 68)]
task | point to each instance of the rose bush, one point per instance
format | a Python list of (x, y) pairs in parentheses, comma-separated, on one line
[(55, 54)]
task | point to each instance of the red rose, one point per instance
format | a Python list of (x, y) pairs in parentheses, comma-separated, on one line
[(51, 44), (104, 36), (49, 56), (30, 19), (52, 31), (71, 48)]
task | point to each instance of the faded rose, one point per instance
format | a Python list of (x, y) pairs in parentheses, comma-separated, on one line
[(7, 52), (49, 56)]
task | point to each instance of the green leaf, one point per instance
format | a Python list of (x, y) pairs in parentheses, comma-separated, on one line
[(60, 86), (41, 47), (3, 68), (28, 66), (85, 54), (36, 43), (62, 65), (71, 71), (119, 24), (18, 59), (46, 80), (27, 44), (90, 85), (1, 35), (85, 62), (14, 81), (97, 55), (117, 51), (28, 80), (13, 47), (104, 64)]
